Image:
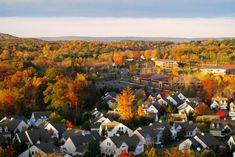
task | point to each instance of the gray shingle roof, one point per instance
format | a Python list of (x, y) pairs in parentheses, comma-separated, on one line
[(149, 131), (187, 126), (81, 142), (39, 134), (47, 147), (130, 141), (208, 139), (40, 114)]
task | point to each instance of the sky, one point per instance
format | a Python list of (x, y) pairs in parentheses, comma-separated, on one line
[(145, 18)]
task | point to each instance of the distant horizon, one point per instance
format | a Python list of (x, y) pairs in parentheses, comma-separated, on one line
[(118, 27)]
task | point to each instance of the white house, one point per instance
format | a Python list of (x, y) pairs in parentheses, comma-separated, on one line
[(114, 128), (219, 102), (152, 109), (200, 141), (231, 143), (55, 129), (39, 117), (116, 144), (190, 129), (185, 108), (12, 125), (77, 145), (232, 110), (40, 148), (149, 135), (97, 122)]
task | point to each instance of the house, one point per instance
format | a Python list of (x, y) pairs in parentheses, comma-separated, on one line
[(232, 110), (174, 99), (221, 128), (149, 134), (74, 132), (40, 148), (116, 144), (97, 122), (200, 142), (10, 126), (177, 98), (189, 129), (31, 137), (55, 129), (185, 108), (96, 113), (154, 97), (114, 128), (215, 70), (77, 145), (109, 98), (152, 109), (166, 64), (219, 102), (39, 117), (231, 143)]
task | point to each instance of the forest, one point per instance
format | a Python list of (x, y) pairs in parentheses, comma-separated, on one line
[(38, 75)]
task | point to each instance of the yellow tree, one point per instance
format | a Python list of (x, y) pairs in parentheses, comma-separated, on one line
[(140, 111), (124, 104)]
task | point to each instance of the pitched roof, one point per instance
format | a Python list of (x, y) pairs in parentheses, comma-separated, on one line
[(39, 134), (132, 141), (176, 98), (159, 125), (10, 123), (149, 131), (208, 139), (74, 132), (187, 126), (112, 124), (47, 147), (40, 114), (80, 142)]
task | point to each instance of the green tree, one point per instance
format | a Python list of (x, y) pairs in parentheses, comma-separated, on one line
[(166, 136), (93, 149), (208, 153)]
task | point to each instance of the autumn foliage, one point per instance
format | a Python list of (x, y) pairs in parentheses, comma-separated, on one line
[(207, 86), (221, 114), (201, 109), (124, 104)]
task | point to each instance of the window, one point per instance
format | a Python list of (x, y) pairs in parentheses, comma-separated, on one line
[(108, 144)]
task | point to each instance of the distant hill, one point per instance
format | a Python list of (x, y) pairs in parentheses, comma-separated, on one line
[(124, 38), (7, 37), (113, 38)]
